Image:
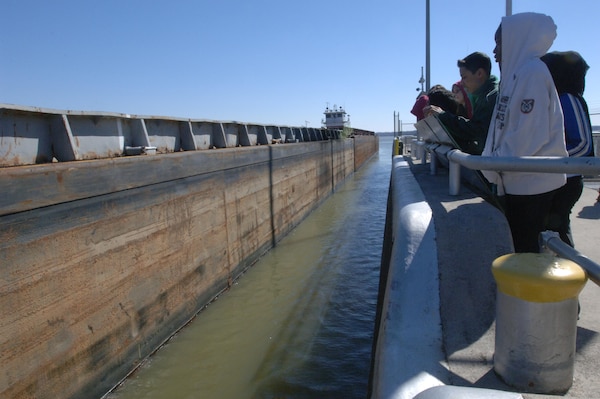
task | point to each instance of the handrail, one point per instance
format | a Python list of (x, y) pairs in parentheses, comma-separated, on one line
[(582, 165), (550, 240)]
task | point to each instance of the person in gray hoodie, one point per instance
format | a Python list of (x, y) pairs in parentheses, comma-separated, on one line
[(527, 121)]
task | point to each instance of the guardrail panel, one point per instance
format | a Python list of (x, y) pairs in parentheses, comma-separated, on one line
[(97, 136), (25, 138)]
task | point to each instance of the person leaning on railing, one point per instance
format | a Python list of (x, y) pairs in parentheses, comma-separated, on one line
[(527, 121), (568, 70), (470, 133)]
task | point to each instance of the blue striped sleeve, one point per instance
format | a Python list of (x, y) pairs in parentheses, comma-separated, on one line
[(578, 129)]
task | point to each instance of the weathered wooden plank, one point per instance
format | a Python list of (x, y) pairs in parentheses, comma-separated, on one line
[(105, 259)]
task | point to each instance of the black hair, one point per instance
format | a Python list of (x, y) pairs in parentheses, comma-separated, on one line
[(444, 98), (476, 60)]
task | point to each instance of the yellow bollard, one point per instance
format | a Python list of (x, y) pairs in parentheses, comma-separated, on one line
[(397, 150), (536, 321)]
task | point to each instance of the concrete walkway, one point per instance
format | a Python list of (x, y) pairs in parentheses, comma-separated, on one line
[(470, 234)]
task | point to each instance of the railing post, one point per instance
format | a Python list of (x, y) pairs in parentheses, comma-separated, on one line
[(414, 148), (454, 177), (420, 153), (433, 165)]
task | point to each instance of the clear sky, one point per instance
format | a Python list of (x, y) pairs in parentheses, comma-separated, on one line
[(264, 61)]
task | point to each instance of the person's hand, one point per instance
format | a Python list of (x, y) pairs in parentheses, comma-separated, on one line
[(432, 110)]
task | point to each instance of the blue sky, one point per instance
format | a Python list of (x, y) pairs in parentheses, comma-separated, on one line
[(264, 61)]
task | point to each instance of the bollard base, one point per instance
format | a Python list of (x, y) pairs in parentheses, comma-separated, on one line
[(535, 344)]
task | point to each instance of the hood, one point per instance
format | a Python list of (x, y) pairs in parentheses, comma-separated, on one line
[(525, 36), (466, 97), (568, 70)]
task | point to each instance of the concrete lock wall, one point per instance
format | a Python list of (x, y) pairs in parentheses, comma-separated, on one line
[(101, 260)]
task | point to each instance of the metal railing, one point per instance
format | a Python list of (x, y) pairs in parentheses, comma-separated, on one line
[(549, 240), (582, 165)]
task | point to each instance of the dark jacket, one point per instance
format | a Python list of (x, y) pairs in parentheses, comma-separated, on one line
[(470, 134), (568, 70)]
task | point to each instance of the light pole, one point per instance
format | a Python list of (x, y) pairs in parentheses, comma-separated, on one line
[(427, 59), (421, 81)]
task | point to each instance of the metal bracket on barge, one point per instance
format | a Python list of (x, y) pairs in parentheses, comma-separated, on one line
[(31, 135)]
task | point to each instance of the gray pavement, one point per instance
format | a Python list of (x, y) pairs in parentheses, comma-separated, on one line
[(470, 234)]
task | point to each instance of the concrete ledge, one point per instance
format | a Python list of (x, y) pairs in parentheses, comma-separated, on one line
[(409, 357), (470, 233), (450, 392), (438, 265)]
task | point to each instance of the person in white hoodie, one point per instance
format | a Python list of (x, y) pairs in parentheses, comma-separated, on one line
[(527, 121)]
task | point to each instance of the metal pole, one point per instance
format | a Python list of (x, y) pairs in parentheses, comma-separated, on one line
[(433, 164), (508, 7), (551, 240), (454, 177), (427, 60)]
